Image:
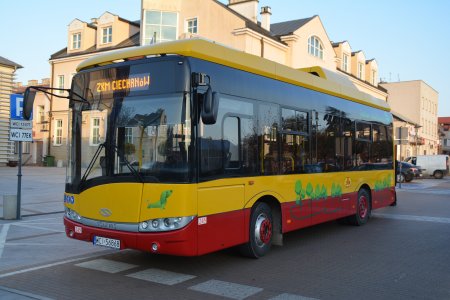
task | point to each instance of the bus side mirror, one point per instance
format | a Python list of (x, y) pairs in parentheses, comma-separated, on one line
[(28, 100), (210, 107)]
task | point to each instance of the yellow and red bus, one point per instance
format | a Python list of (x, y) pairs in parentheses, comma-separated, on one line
[(189, 147)]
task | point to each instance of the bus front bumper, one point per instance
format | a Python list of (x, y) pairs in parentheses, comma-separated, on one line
[(182, 242)]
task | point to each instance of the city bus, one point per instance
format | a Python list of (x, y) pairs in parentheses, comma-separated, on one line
[(189, 147)]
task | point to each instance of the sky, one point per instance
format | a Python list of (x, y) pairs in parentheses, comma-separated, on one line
[(410, 39)]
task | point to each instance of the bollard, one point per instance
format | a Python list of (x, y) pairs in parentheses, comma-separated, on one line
[(10, 207)]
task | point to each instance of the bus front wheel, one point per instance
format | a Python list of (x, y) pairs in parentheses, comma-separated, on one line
[(363, 209), (261, 231)]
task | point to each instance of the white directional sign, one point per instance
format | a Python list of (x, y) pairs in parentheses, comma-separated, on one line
[(20, 135), (24, 124)]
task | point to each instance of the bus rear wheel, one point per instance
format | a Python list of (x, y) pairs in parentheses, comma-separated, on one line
[(363, 209), (261, 231)]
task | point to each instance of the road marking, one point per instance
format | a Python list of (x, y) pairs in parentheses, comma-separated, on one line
[(3, 235), (226, 289), (287, 296), (53, 264), (413, 218), (25, 294), (106, 265), (161, 276), (38, 227)]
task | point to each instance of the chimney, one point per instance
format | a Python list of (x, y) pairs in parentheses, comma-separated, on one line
[(32, 82), (266, 12), (94, 21), (247, 8)]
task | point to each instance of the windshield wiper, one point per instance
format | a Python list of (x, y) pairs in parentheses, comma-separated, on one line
[(133, 170), (91, 163)]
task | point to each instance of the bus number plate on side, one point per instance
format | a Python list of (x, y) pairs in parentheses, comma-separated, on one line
[(106, 242)]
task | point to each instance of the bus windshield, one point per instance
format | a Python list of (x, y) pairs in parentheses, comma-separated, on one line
[(125, 133)]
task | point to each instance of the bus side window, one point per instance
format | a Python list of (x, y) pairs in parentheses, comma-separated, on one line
[(329, 147), (268, 118)]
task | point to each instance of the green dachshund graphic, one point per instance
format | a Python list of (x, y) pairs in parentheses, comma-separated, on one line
[(162, 200)]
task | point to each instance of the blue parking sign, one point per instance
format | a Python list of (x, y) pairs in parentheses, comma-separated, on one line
[(16, 107)]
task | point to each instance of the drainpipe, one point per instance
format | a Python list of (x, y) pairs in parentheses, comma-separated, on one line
[(50, 110), (262, 47)]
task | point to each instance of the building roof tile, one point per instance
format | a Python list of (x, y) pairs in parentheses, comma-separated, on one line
[(9, 63), (288, 27)]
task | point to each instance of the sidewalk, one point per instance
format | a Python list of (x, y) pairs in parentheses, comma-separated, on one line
[(42, 189)]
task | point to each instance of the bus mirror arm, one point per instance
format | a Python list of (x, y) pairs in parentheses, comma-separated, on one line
[(30, 94)]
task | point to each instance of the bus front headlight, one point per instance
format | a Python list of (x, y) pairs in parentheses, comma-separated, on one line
[(71, 214), (164, 224)]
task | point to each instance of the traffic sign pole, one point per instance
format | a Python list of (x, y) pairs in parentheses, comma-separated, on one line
[(19, 182)]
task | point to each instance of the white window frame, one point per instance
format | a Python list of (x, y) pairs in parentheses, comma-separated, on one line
[(76, 41), (345, 60), (148, 40), (61, 83), (107, 35), (129, 135), (57, 141), (360, 70), (315, 47), (190, 27), (94, 139)]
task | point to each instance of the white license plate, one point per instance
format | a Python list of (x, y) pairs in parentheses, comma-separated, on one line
[(106, 242)]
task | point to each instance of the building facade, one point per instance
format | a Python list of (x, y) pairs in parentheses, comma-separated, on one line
[(7, 72), (444, 134), (417, 101), (300, 44)]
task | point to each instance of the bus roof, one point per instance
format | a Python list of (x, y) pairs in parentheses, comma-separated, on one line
[(332, 84)]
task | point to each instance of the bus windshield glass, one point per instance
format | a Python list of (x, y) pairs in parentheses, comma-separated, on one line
[(130, 126)]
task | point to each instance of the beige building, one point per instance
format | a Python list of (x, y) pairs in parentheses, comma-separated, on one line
[(7, 71), (300, 44), (105, 33), (417, 101)]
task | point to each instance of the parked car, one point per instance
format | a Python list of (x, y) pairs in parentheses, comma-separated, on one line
[(431, 165), (408, 172)]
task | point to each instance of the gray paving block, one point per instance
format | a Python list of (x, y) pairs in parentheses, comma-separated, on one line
[(161, 276), (226, 289), (106, 265)]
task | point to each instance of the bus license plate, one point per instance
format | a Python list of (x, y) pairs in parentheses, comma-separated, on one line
[(106, 242)]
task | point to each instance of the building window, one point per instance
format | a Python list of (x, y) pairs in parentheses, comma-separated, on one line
[(360, 70), (107, 35), (76, 41), (192, 26), (159, 26), (315, 47), (95, 131), (58, 133), (374, 77), (128, 135), (345, 63), (61, 83)]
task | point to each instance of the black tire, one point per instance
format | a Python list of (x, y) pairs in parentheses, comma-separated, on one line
[(261, 232), (409, 177), (401, 177), (438, 174), (363, 209)]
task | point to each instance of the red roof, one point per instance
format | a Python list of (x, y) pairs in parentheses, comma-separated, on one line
[(444, 120)]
